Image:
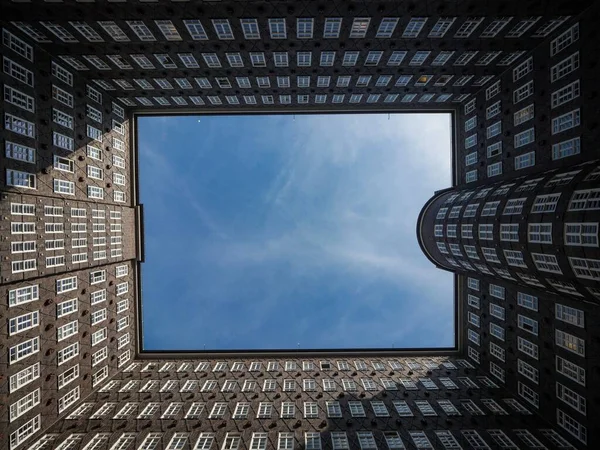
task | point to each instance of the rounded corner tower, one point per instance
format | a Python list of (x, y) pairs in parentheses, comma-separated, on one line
[(426, 223), (538, 231)]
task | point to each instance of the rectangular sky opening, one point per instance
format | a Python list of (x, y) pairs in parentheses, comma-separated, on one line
[(267, 232)]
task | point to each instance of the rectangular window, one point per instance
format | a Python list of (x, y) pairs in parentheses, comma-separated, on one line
[(581, 234), (571, 398), (525, 160), (494, 169), (523, 92), (571, 426), (509, 232), (566, 121), (17, 45), (571, 343), (566, 148), (23, 322), (486, 231), (570, 370), (19, 99), (24, 128), (527, 324), (67, 330), (546, 263), (24, 377), (527, 347), (522, 69), (523, 115), (564, 67), (564, 40), (565, 94), (524, 138), (547, 203)]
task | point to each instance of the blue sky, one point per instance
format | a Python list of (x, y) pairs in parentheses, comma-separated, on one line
[(292, 232)]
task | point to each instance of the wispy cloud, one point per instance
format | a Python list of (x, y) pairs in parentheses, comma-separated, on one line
[(317, 245)]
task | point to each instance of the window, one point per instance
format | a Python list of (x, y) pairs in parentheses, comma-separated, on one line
[(277, 28), (441, 27), (373, 58), (420, 439), (25, 209), (304, 28), (523, 115), (419, 58), (414, 27), (547, 203), (509, 232), (525, 160), (528, 371), (486, 231), (523, 92), (571, 426), (285, 441), (258, 59), (566, 121), (497, 311), (23, 247), (473, 319), (546, 263), (564, 40), (514, 206), (311, 410), (494, 130), (570, 315), (68, 399), (497, 331), (565, 94), (489, 208), (564, 67), (25, 431), (571, 343), (571, 398), (303, 59), (566, 148), (331, 28), (20, 179), (223, 29), (582, 234), (356, 409), (570, 370), (522, 69), (527, 347), (527, 324), (17, 45), (24, 377), (386, 27), (494, 169), (67, 330), (366, 441), (24, 404), (524, 138), (26, 128), (454, 212), (19, 99), (24, 349), (359, 27), (473, 284)]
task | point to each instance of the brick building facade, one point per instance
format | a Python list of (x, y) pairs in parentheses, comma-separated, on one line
[(519, 80)]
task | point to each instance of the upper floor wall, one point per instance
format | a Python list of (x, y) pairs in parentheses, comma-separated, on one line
[(254, 56)]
